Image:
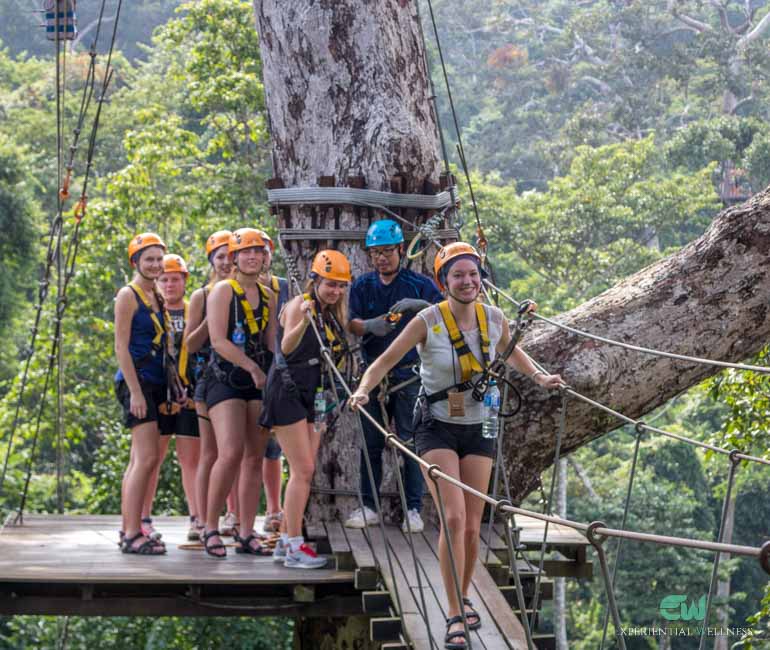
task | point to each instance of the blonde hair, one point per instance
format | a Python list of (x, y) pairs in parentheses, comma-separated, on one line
[(339, 310)]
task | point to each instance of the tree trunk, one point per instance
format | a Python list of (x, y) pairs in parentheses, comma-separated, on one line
[(560, 584), (723, 586), (707, 300), (348, 96), (349, 105)]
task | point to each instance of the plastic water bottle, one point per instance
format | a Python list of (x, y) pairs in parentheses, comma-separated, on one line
[(239, 335), (319, 406), (491, 411)]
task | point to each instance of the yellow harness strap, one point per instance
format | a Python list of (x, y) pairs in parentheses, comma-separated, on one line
[(334, 343), (255, 326), (183, 354), (159, 329), (275, 285), (469, 365)]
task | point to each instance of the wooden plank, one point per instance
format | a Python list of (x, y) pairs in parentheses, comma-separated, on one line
[(362, 554), (385, 628), (339, 546), (498, 622), (568, 569), (83, 549), (376, 602)]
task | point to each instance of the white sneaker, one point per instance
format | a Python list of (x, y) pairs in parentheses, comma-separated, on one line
[(356, 519), (303, 558), (415, 522)]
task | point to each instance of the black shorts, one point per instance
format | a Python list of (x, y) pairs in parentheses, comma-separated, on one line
[(184, 423), (463, 439), (282, 406), (217, 391), (199, 395), (154, 395)]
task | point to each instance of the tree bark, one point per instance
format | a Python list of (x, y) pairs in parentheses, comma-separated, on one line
[(709, 300), (348, 99)]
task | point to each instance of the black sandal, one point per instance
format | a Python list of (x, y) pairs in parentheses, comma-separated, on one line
[(451, 645), (247, 549), (472, 614), (145, 548), (210, 548)]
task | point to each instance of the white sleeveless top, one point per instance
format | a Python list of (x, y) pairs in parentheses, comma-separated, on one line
[(440, 367)]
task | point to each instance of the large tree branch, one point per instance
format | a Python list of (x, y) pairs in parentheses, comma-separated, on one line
[(755, 34), (707, 300), (697, 25)]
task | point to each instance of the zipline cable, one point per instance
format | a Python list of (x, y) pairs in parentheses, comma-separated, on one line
[(69, 261), (637, 348), (641, 423)]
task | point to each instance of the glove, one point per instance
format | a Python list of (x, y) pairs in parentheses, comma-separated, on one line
[(409, 304), (378, 326)]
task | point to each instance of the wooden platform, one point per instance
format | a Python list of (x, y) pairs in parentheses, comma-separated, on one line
[(72, 565)]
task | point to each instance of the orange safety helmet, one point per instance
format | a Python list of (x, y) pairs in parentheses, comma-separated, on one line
[(331, 265), (174, 264), (142, 241), (269, 241), (219, 238), (450, 252), (244, 238)]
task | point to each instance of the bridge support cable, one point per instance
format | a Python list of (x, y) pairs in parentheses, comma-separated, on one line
[(65, 263), (626, 506), (734, 462), (548, 505), (597, 541), (450, 551), (641, 423), (635, 348)]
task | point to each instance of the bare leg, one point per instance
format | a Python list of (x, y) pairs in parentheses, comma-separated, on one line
[(475, 472), (300, 446), (271, 477), (152, 486), (188, 454), (144, 451), (454, 506), (227, 418), (250, 481), (208, 455)]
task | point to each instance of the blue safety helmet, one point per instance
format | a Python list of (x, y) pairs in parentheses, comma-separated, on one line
[(385, 232)]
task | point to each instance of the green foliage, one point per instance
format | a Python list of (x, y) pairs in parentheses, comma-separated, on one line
[(17, 219), (138, 632), (618, 209)]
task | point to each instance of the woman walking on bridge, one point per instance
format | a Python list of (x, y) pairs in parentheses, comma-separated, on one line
[(456, 340)]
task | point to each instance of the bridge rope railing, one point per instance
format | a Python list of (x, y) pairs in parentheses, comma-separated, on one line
[(596, 532)]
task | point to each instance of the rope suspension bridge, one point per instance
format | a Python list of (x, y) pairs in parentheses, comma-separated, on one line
[(379, 570)]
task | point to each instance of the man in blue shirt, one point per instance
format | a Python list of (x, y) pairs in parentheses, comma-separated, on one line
[(389, 289)]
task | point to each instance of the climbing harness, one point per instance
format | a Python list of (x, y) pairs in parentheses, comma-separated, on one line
[(498, 369), (228, 373)]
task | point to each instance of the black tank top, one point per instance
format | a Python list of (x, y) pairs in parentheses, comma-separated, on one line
[(255, 347)]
